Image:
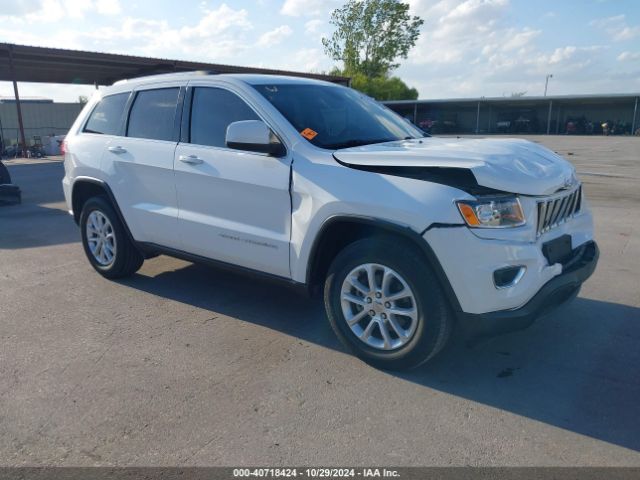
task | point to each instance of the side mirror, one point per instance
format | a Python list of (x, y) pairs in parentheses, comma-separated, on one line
[(253, 136)]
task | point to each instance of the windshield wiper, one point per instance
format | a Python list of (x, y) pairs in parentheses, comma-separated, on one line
[(358, 143)]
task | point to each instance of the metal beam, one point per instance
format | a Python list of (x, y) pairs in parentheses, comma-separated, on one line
[(549, 117), (2, 142), (633, 123), (478, 119), (23, 140), (415, 113)]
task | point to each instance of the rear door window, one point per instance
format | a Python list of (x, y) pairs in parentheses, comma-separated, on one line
[(153, 114), (106, 117)]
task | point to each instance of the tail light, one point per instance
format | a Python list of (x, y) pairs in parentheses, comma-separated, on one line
[(63, 147)]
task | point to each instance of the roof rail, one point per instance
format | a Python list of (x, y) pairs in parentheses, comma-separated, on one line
[(169, 76)]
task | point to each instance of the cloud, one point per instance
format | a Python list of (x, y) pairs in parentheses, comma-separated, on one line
[(520, 39), (76, 9), (308, 8), (219, 34), (217, 21), (51, 11), (626, 56), (313, 26), (275, 36), (108, 7), (307, 60), (460, 31), (472, 48), (18, 8), (617, 27)]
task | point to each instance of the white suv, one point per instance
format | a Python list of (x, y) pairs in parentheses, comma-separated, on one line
[(321, 187)]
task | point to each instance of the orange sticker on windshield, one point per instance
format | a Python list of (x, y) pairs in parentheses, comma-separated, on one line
[(308, 133)]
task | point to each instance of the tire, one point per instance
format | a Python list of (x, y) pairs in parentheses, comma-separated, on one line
[(426, 334), (125, 258)]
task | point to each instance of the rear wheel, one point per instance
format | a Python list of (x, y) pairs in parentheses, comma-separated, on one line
[(105, 240), (386, 305)]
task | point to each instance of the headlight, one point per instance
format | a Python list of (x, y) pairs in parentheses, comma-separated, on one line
[(492, 212)]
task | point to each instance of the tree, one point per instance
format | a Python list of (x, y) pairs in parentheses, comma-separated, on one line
[(383, 88), (371, 35)]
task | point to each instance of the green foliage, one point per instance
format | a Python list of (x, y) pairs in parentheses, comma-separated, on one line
[(383, 88), (370, 35)]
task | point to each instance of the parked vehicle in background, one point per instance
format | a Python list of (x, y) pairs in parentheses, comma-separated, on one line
[(4, 174), (11, 151), (321, 187), (33, 151), (10, 194)]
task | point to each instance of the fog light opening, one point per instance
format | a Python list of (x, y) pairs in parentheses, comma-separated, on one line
[(508, 277)]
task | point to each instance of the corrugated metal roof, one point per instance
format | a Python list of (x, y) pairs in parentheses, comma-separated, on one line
[(57, 65)]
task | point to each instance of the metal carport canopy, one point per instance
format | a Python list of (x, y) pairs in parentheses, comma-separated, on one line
[(57, 65)]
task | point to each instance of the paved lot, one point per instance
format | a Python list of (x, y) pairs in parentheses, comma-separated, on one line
[(183, 364)]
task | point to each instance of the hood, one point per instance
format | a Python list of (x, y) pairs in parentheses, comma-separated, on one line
[(509, 165)]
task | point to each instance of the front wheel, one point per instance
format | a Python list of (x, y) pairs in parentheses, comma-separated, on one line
[(105, 240), (386, 305)]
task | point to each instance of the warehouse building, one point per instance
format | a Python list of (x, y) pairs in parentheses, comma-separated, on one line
[(42, 119), (615, 114), (576, 114)]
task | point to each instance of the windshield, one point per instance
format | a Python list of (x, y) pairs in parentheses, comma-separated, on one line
[(333, 117)]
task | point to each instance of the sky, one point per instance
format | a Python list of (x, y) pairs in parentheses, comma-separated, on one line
[(467, 48)]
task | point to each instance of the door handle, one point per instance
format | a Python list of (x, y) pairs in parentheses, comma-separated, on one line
[(190, 159), (117, 150)]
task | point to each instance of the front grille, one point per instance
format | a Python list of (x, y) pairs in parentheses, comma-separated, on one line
[(557, 210)]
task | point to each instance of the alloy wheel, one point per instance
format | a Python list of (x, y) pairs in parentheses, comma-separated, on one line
[(101, 238), (379, 306)]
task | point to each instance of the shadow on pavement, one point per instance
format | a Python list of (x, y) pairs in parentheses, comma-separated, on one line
[(577, 369), (41, 219)]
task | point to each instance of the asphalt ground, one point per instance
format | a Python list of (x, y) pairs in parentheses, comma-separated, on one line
[(187, 365)]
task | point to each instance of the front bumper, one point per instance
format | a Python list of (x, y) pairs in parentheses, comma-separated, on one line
[(554, 293), (469, 262)]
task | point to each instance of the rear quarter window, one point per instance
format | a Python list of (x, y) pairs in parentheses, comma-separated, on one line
[(106, 117)]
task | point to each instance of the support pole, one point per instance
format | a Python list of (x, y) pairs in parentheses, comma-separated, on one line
[(633, 123), (415, 113), (549, 117), (23, 141), (478, 119), (2, 143)]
